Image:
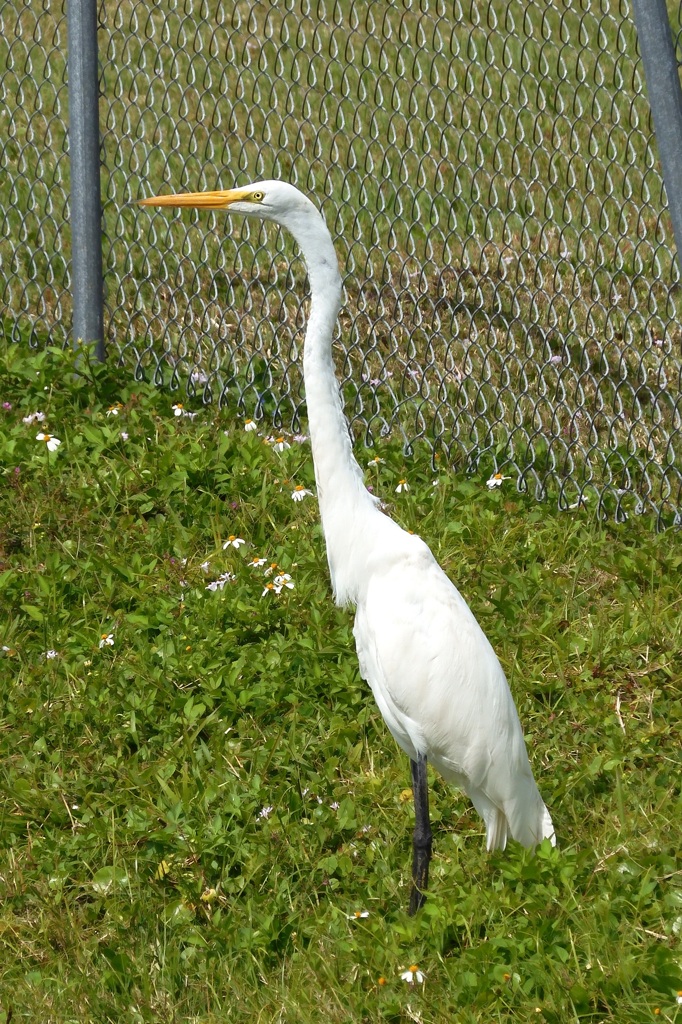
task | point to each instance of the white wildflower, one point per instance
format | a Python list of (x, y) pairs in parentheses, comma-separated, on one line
[(107, 640), (402, 486), (233, 542), (218, 584), (496, 480), (34, 417), (412, 975), (282, 581), (300, 492), (50, 440)]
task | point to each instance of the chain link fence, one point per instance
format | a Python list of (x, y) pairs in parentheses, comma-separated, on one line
[(489, 174)]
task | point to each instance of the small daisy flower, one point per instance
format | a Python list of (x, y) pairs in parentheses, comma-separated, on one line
[(412, 975), (300, 492), (402, 486), (50, 440), (678, 998), (250, 425), (51, 654), (357, 915), (282, 581), (256, 563), (269, 589), (270, 569), (34, 417), (115, 409), (218, 584), (107, 640), (178, 409), (496, 480), (233, 542), (279, 444), (265, 812), (375, 461)]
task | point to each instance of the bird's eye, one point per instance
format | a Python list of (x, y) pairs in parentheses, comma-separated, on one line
[(258, 197)]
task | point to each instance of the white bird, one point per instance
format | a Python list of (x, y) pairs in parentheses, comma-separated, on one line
[(433, 673)]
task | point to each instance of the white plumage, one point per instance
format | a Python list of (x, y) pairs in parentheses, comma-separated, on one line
[(433, 673)]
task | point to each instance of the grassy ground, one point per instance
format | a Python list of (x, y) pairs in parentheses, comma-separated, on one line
[(198, 793)]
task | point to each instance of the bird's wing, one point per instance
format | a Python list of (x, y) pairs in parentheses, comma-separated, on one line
[(435, 677)]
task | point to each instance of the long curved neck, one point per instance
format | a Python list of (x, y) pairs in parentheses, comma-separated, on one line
[(345, 503)]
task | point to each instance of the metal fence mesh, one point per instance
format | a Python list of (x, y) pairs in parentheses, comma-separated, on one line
[(488, 172)]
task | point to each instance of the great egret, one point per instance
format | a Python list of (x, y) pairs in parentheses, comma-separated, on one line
[(433, 673)]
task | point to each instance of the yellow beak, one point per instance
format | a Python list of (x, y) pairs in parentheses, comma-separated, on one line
[(199, 200)]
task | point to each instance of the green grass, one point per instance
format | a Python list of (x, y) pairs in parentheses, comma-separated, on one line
[(141, 880)]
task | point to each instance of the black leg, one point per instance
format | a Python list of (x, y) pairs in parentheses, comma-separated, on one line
[(421, 842)]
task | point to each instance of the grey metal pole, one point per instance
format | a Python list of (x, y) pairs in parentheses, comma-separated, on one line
[(665, 98), (84, 159)]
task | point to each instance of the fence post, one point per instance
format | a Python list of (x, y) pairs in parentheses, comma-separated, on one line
[(84, 159), (665, 98)]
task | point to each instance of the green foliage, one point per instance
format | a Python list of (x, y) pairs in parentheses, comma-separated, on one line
[(197, 791)]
